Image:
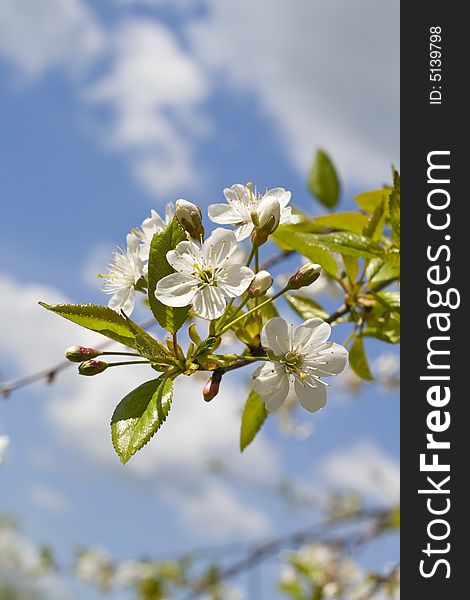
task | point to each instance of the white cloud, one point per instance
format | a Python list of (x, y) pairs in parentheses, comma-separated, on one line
[(154, 89), (194, 434), (217, 512), (48, 498), (326, 71), (36, 36), (31, 336), (363, 467), (79, 408)]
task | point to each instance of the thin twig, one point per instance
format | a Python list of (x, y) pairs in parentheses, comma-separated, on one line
[(264, 551), (274, 260), (49, 375)]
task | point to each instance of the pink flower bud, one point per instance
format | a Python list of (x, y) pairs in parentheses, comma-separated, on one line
[(212, 387), (304, 276), (92, 367), (81, 353)]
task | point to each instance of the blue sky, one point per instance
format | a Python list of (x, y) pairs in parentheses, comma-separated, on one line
[(108, 109)]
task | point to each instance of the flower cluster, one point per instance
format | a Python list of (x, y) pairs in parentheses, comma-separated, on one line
[(223, 277), (206, 274), (129, 266)]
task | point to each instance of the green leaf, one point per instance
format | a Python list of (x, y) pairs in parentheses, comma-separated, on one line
[(305, 307), (389, 300), (289, 238), (392, 257), (169, 318), (139, 415), (254, 415), (388, 331), (376, 222), (358, 360), (378, 271), (344, 242), (101, 319), (395, 208), (205, 346), (323, 182), (344, 221), (146, 345), (370, 200), (351, 265)]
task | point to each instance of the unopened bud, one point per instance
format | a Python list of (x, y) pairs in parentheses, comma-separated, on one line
[(269, 214), (81, 353), (260, 284), (266, 220), (190, 218), (92, 367), (212, 387), (304, 276)]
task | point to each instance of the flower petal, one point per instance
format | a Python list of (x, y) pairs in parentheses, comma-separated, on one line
[(282, 196), (329, 359), (311, 398), (268, 378), (209, 302), (234, 280), (169, 212), (184, 256), (152, 224), (286, 215), (238, 193), (310, 335), (176, 289), (224, 214), (218, 248), (123, 299), (276, 336), (244, 231), (277, 398)]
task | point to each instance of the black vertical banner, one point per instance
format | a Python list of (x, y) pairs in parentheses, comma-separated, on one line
[(435, 432)]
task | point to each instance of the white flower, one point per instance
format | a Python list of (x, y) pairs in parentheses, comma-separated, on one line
[(152, 225), (94, 566), (243, 204), (123, 273), (303, 356), (4, 443), (204, 276)]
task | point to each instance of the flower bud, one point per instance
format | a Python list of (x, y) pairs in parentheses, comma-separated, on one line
[(304, 276), (269, 215), (190, 218), (260, 284), (81, 353), (212, 387), (92, 367)]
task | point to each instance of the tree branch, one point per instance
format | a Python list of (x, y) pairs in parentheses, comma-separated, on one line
[(264, 551), (49, 374)]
